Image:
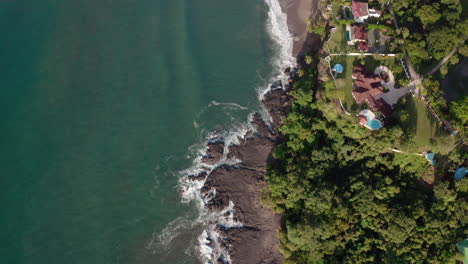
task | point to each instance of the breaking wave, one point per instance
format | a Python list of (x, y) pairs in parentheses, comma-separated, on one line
[(210, 239)]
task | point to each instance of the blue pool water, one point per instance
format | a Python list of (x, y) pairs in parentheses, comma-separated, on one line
[(348, 36), (374, 124)]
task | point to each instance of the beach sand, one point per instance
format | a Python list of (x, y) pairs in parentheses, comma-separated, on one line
[(298, 12)]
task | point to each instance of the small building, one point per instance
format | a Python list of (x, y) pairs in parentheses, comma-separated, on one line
[(367, 88), (356, 33), (430, 157), (460, 173), (361, 11)]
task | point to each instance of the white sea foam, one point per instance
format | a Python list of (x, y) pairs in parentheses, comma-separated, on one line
[(277, 27), (234, 105), (209, 241)]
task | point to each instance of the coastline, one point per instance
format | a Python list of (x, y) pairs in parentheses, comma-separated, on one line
[(297, 13), (231, 180), (245, 230)]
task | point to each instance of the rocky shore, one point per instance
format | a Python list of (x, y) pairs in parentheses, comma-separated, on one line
[(239, 184), (256, 239)]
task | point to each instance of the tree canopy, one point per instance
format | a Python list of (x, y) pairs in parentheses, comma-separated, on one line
[(347, 198)]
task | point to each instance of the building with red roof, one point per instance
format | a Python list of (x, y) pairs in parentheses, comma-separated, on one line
[(361, 11), (363, 46), (360, 32), (357, 34), (367, 89)]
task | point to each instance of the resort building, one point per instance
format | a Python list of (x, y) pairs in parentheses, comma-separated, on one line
[(367, 89), (355, 33), (361, 11)]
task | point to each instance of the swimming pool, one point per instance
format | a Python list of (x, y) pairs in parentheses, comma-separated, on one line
[(374, 124), (370, 120), (348, 35), (347, 10)]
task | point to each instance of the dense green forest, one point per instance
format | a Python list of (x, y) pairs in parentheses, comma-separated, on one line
[(429, 31), (345, 195), (346, 198)]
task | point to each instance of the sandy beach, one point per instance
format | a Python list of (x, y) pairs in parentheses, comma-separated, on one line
[(298, 12)]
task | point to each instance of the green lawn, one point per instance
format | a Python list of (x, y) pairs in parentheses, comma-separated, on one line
[(425, 124), (422, 124), (337, 42), (344, 80)]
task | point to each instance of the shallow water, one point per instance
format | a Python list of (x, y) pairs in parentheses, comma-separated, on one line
[(103, 103)]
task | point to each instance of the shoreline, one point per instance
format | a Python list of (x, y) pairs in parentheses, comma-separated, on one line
[(298, 12), (246, 230), (231, 182)]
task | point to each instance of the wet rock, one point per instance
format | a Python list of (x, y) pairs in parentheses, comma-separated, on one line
[(262, 128), (214, 152), (277, 102), (277, 85), (198, 177), (257, 241)]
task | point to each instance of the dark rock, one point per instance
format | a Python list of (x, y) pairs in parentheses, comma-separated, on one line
[(215, 151), (199, 177), (257, 241), (262, 128), (277, 102), (277, 85)]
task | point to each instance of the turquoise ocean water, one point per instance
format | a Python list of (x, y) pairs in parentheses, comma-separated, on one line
[(102, 102)]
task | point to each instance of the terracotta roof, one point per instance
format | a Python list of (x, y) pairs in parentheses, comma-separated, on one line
[(366, 88), (360, 9), (363, 46), (360, 73), (360, 32)]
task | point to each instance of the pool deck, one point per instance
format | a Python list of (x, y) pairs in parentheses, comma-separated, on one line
[(370, 117)]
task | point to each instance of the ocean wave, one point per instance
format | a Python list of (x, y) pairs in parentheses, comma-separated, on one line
[(234, 105), (210, 239), (277, 27)]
